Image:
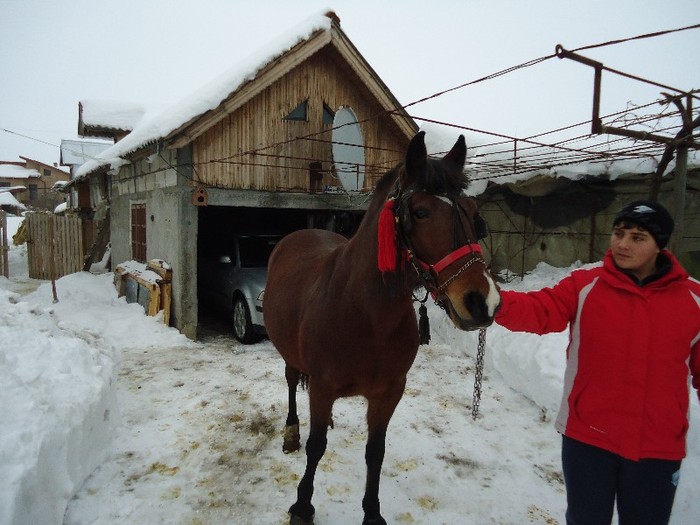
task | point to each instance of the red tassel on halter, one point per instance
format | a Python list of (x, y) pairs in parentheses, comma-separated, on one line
[(386, 237)]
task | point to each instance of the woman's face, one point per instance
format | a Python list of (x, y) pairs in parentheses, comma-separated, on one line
[(634, 250)]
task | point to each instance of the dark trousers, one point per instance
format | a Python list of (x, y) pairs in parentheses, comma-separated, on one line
[(595, 478)]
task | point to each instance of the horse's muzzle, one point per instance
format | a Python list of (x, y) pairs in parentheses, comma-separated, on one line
[(475, 310)]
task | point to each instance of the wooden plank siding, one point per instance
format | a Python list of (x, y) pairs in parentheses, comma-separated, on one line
[(281, 159), (54, 245)]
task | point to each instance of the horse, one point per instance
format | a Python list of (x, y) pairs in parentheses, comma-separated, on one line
[(340, 311)]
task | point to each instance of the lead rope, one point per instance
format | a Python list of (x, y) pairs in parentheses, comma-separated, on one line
[(481, 350)]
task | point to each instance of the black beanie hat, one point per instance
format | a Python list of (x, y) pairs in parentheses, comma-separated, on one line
[(651, 216)]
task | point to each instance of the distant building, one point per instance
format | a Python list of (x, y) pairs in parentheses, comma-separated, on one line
[(10, 204), (75, 153), (32, 182)]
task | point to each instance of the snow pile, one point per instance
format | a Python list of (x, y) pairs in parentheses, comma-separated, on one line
[(141, 270), (58, 369), (58, 407)]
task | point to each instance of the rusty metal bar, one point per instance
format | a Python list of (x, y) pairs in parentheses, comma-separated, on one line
[(563, 53), (641, 135), (596, 124), (597, 127)]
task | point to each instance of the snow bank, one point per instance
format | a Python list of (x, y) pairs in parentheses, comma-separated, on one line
[(58, 368), (58, 410)]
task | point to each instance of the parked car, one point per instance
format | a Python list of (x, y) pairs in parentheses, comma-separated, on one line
[(232, 280)]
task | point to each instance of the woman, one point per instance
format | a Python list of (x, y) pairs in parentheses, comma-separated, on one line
[(634, 343)]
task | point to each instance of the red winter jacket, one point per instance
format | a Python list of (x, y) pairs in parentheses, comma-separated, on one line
[(632, 350)]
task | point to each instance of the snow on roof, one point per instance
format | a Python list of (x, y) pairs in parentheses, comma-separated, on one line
[(159, 125), (12, 171), (111, 114), (7, 199), (438, 139)]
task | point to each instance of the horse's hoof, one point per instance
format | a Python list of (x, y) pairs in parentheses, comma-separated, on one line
[(292, 440), (374, 521), (301, 514), (298, 520), (290, 446)]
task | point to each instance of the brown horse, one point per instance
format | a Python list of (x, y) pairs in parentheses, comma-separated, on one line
[(340, 311)]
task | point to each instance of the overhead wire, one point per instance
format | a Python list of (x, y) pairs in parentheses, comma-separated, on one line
[(638, 37), (535, 153)]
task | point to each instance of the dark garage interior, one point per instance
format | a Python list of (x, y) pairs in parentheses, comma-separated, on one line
[(220, 227)]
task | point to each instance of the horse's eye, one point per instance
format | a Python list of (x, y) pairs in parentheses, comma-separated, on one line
[(421, 213)]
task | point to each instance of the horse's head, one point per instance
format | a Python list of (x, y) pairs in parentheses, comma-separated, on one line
[(437, 231)]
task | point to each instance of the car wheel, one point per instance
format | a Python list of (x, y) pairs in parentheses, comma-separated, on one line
[(242, 325)]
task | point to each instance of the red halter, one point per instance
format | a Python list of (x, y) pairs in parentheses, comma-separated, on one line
[(451, 257)]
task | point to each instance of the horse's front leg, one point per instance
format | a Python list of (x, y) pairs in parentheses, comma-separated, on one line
[(292, 441), (379, 412), (320, 404)]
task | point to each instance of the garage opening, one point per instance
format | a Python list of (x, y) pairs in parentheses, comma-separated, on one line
[(233, 246)]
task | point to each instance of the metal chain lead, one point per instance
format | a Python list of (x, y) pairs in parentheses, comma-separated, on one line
[(481, 350)]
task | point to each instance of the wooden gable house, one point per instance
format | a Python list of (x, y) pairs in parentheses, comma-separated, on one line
[(267, 134), (253, 150)]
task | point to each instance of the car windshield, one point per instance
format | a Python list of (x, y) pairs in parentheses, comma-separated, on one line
[(255, 251)]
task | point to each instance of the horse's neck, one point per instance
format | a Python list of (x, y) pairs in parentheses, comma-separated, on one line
[(361, 251)]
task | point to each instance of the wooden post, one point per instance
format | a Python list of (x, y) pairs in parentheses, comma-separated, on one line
[(3, 245), (680, 182), (52, 262), (679, 198)]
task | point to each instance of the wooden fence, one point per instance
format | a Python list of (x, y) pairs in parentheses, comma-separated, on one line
[(54, 245), (4, 247)]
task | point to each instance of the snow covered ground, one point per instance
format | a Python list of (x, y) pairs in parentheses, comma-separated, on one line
[(109, 417)]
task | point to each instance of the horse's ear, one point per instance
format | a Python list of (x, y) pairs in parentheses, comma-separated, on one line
[(458, 153), (416, 160)]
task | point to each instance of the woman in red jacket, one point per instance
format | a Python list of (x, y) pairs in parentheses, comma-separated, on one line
[(634, 347)]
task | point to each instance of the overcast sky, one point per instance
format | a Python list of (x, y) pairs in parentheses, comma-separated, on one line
[(55, 53)]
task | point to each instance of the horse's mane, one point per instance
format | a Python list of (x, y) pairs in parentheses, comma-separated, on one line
[(387, 180)]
